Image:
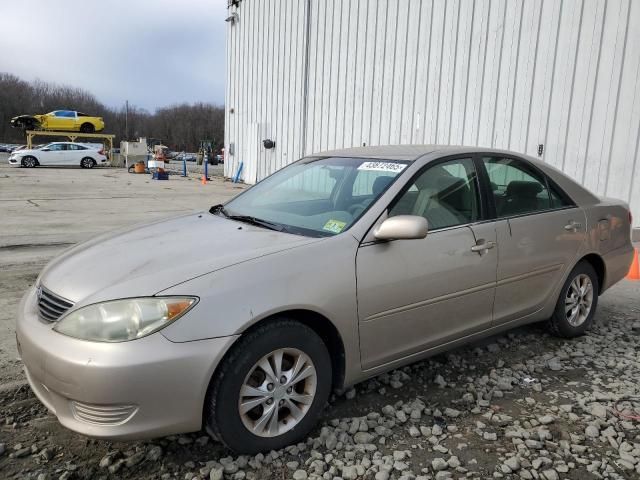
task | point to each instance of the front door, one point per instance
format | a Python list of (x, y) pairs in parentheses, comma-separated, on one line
[(414, 295), (539, 234), (54, 155), (56, 120)]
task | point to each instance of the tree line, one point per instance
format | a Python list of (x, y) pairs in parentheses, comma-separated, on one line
[(180, 127)]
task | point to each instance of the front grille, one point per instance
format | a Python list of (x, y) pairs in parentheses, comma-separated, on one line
[(51, 306), (103, 414)]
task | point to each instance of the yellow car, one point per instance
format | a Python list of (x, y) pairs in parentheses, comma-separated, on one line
[(60, 120)]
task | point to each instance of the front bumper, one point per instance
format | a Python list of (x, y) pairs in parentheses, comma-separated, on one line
[(14, 162), (144, 388)]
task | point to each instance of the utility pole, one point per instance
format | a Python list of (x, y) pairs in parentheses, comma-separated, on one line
[(126, 120)]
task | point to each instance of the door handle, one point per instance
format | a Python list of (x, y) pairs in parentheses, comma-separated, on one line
[(482, 246), (572, 226)]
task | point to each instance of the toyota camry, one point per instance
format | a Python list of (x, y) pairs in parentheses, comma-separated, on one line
[(338, 267)]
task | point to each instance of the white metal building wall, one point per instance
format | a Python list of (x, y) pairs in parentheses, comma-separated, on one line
[(315, 75)]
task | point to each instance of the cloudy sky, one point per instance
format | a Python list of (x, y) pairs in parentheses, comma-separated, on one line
[(150, 52)]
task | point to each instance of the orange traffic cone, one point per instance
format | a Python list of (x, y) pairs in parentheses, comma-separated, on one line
[(204, 180), (634, 271)]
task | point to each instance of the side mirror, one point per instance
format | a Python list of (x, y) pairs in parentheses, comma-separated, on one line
[(402, 227)]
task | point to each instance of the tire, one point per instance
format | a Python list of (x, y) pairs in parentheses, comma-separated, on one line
[(87, 128), (29, 162), (28, 124), (570, 319), (87, 162), (239, 368)]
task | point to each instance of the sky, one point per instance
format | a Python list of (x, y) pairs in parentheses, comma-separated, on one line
[(153, 53)]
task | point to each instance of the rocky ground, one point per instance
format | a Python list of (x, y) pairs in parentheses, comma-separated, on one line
[(522, 405)]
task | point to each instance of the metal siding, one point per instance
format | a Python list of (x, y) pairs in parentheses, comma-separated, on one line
[(500, 73)]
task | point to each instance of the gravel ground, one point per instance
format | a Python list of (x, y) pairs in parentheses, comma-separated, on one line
[(521, 405)]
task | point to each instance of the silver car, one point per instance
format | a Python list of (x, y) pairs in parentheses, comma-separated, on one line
[(336, 268)]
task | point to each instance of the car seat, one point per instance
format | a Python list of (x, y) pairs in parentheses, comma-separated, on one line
[(520, 197), (379, 185)]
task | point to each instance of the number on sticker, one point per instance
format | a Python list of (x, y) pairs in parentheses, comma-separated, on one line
[(383, 166)]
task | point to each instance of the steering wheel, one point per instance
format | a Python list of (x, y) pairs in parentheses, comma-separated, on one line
[(357, 208)]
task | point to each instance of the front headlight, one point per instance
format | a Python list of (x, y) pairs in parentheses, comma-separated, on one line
[(122, 320)]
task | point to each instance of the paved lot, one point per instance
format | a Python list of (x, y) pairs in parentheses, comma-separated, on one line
[(521, 405), (45, 210)]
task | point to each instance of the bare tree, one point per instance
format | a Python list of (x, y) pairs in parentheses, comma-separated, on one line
[(180, 127)]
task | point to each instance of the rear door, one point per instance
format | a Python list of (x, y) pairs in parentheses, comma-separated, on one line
[(75, 153), (539, 232), (66, 155)]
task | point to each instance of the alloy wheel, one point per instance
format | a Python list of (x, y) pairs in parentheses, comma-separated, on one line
[(579, 300), (278, 392)]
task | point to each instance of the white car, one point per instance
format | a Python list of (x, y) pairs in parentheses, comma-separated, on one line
[(58, 153)]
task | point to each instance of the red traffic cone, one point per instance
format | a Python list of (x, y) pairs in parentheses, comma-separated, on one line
[(634, 271)]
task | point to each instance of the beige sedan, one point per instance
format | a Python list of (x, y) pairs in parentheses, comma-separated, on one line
[(338, 267)]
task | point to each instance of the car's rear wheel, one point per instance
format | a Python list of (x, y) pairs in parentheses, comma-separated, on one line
[(270, 388), (577, 304), (87, 128), (87, 162), (29, 162)]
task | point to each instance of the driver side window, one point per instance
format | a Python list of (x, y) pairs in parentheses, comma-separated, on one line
[(445, 194)]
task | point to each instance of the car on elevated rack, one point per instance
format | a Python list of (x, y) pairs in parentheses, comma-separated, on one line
[(58, 153), (336, 268), (60, 120)]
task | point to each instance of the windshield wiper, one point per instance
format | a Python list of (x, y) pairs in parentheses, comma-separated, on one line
[(248, 219), (219, 208), (258, 221)]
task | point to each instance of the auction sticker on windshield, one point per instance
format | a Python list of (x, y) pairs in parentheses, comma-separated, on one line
[(334, 226), (383, 166)]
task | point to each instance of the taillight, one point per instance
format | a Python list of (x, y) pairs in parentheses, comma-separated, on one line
[(101, 152)]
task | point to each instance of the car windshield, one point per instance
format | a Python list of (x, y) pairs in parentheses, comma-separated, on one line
[(315, 196)]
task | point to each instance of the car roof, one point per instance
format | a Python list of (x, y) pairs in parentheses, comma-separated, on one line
[(407, 152), (577, 192)]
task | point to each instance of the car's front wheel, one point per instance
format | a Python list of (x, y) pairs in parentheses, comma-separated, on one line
[(270, 388), (29, 162), (87, 162), (87, 128), (577, 303)]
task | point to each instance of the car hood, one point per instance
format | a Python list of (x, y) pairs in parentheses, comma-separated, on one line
[(26, 151), (147, 259), (26, 116)]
